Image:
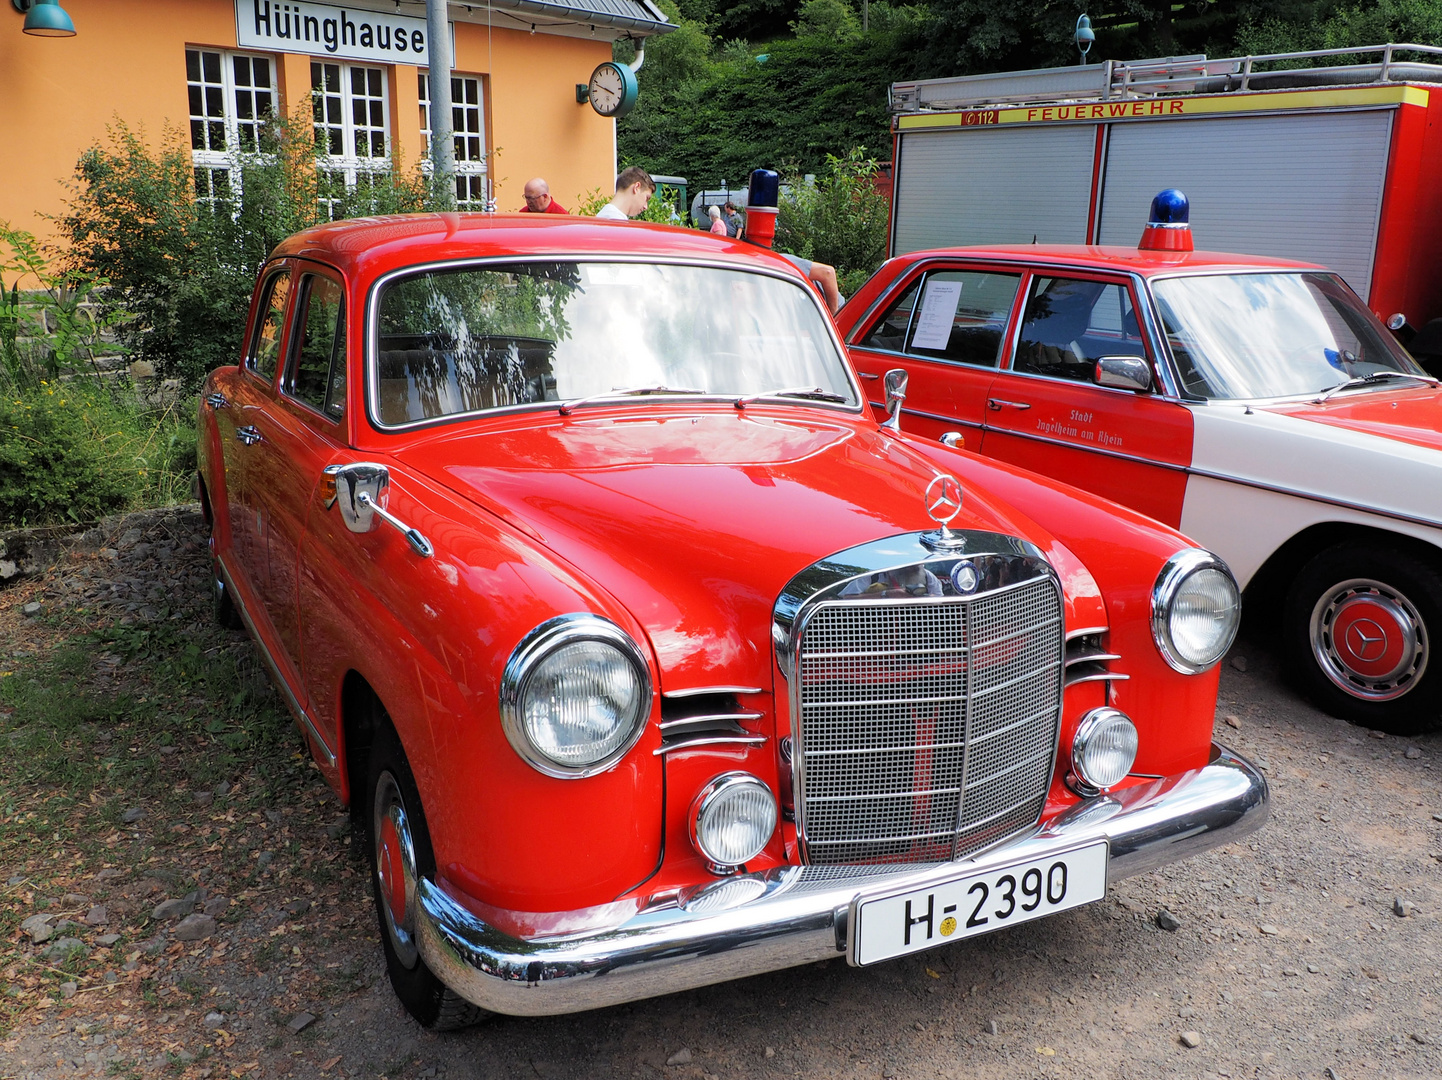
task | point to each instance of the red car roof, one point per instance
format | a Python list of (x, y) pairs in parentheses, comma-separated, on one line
[(1129, 259), (372, 246)]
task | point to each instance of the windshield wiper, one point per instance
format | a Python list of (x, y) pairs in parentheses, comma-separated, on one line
[(626, 391), (812, 393), (1371, 380)]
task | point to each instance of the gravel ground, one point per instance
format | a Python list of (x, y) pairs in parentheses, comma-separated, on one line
[(1311, 949)]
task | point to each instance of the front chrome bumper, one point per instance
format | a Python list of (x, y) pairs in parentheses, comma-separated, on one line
[(799, 915)]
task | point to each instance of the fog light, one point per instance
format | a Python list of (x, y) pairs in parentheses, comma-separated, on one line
[(720, 895), (732, 820), (1104, 749)]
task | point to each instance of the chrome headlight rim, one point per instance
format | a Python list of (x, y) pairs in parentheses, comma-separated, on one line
[(537, 646), (709, 795), (1090, 727), (1174, 574)]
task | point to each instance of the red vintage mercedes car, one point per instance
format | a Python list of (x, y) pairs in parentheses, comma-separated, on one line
[(647, 657)]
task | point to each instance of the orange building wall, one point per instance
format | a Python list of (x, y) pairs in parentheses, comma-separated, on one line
[(127, 62)]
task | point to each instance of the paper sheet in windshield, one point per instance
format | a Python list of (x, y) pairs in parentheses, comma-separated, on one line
[(938, 312)]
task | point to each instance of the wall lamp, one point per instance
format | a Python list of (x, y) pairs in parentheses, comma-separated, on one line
[(45, 18)]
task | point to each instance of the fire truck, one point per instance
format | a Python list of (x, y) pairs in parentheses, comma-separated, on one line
[(1331, 157)]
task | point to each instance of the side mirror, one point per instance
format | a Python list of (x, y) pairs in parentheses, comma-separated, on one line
[(895, 383), (1124, 373), (347, 483), (359, 488)]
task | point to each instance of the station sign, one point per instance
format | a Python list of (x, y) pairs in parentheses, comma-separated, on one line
[(345, 33)]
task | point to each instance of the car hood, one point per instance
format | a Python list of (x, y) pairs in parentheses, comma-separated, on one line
[(1410, 415), (696, 521)]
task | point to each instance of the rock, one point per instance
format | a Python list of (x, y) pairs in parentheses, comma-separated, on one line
[(142, 369), (300, 1021), (223, 788), (1418, 1038), (1413, 753), (1232, 721), (1401, 908), (128, 539), (680, 1057), (110, 873), (203, 798), (194, 928), (1437, 817), (216, 906), (32, 609), (1167, 921), (213, 1020), (167, 750), (264, 859), (62, 949), (296, 907), (131, 816), (97, 916), (1268, 930), (107, 940), (172, 909), (74, 900), (9, 568), (19, 879), (184, 1056), (68, 989), (1290, 973), (273, 816), (1313, 969), (338, 828), (771, 1051), (1239, 662), (39, 927), (1377, 734), (992, 1028), (154, 945), (1191, 1039)]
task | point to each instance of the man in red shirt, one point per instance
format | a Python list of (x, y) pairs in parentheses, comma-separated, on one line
[(538, 199)]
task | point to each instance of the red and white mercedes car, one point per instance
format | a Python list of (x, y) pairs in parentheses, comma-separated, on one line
[(1255, 404)]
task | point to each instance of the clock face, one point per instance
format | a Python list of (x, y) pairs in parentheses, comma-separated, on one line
[(612, 90)]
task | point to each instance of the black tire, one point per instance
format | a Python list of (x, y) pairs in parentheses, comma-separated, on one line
[(391, 787), (222, 604), (1361, 633)]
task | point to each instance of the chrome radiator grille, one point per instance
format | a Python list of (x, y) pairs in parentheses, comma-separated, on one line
[(927, 727)]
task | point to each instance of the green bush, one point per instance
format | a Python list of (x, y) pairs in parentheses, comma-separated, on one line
[(80, 449), (840, 219), (181, 269)]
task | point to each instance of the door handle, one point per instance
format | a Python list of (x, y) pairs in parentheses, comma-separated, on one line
[(868, 374), (997, 404), (216, 401), (250, 435)]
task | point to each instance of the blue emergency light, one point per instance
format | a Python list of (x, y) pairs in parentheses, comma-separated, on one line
[(1169, 223)]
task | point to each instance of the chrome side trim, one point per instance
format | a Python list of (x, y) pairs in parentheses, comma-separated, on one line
[(292, 702), (747, 739), (686, 723), (1117, 454), (1430, 523), (799, 915), (1086, 630)]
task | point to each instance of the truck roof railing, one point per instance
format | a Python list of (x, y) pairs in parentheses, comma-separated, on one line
[(1118, 79)]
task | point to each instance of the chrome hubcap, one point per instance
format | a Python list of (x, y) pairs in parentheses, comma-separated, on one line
[(395, 868), (1369, 639)]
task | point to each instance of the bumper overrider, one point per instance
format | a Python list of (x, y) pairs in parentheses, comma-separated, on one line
[(800, 915)]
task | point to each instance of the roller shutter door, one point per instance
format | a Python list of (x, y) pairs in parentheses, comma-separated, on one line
[(1301, 187), (993, 186)]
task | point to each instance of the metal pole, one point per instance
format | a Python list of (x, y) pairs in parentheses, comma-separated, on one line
[(443, 152)]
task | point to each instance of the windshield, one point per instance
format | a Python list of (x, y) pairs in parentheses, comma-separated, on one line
[(1271, 335), (479, 338)]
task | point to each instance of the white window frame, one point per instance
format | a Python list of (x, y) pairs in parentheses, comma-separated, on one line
[(352, 167), (468, 123), (207, 160)]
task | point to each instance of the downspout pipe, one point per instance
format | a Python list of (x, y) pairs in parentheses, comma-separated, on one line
[(443, 151)]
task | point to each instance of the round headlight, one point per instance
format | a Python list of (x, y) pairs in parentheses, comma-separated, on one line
[(575, 696), (732, 819), (1196, 609), (1104, 748)]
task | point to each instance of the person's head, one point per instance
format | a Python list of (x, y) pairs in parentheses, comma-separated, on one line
[(538, 194), (730, 207), (714, 213), (633, 190)]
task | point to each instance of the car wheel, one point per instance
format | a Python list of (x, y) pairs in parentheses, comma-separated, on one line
[(1362, 628), (400, 853), (222, 604)]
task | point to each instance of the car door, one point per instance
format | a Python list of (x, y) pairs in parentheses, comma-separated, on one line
[(945, 324), (248, 398), (1045, 411), (301, 435)]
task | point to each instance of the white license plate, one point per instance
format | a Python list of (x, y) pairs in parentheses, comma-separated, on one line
[(902, 923)]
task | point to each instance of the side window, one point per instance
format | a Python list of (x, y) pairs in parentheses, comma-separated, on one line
[(265, 346), (317, 365), (1070, 322), (962, 316), (889, 334)]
